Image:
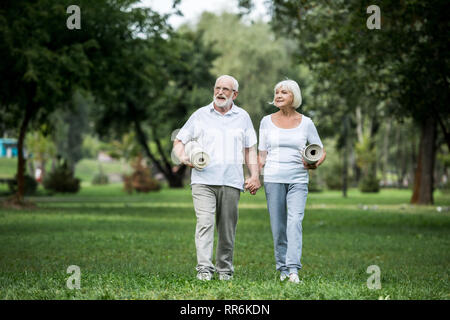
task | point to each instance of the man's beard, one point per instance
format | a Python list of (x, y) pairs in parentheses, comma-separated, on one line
[(223, 104)]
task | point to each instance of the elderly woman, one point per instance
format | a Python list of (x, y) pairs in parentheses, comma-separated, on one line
[(282, 137)]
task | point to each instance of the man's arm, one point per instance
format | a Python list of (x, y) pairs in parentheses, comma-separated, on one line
[(251, 160), (178, 149)]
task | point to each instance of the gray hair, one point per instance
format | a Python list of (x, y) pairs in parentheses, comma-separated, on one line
[(235, 83), (294, 88)]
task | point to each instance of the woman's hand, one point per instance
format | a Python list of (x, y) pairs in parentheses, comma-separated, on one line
[(310, 166), (315, 165), (252, 184)]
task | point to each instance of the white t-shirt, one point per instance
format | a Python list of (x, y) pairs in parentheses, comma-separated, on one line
[(223, 137), (284, 161)]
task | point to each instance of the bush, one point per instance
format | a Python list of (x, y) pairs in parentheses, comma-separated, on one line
[(445, 188), (369, 183), (333, 180), (61, 180), (141, 179), (30, 185), (99, 179), (313, 185)]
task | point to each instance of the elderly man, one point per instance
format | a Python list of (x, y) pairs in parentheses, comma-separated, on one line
[(226, 133)]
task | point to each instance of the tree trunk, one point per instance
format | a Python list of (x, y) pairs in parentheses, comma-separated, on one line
[(345, 159), (385, 157), (21, 163), (423, 180), (175, 180)]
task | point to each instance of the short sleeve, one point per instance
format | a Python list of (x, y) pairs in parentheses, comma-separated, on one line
[(186, 133), (313, 135), (262, 146), (250, 134)]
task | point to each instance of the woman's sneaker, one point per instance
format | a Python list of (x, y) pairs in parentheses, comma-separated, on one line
[(204, 276), (283, 276), (293, 277), (225, 277)]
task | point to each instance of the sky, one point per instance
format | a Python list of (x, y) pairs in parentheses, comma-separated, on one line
[(192, 9)]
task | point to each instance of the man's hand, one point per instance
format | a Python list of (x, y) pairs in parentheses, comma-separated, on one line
[(185, 160), (178, 148), (252, 184)]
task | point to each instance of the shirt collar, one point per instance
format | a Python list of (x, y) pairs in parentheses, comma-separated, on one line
[(234, 108)]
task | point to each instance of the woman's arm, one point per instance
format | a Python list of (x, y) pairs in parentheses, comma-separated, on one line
[(262, 159)]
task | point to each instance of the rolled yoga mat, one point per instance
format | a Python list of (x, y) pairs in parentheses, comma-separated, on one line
[(312, 153), (197, 156)]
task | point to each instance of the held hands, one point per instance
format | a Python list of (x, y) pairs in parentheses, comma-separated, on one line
[(252, 184)]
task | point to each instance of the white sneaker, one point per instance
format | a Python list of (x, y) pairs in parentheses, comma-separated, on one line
[(283, 276), (293, 277), (204, 276), (225, 276)]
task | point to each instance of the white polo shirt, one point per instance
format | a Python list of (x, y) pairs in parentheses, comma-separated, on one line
[(224, 138)]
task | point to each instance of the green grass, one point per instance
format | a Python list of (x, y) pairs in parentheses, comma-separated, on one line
[(88, 168), (142, 247), (84, 170), (8, 167)]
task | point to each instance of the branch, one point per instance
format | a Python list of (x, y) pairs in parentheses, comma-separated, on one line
[(161, 151), (142, 139)]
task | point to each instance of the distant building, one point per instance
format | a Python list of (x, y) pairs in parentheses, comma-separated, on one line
[(8, 148)]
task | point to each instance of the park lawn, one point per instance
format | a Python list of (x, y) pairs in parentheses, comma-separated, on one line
[(142, 247), (84, 170)]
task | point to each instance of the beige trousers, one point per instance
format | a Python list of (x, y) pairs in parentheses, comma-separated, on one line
[(219, 203)]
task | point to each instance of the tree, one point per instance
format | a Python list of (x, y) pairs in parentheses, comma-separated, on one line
[(70, 123), (41, 147), (165, 73), (251, 53), (43, 62), (404, 64)]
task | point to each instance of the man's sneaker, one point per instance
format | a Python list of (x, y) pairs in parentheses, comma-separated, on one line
[(283, 276), (225, 276), (293, 277), (204, 276)]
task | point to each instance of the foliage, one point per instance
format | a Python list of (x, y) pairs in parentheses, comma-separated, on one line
[(365, 154), (369, 183), (40, 146), (45, 62), (91, 146), (314, 183), (252, 54), (141, 179), (61, 179), (30, 185), (70, 124), (100, 177), (126, 148), (165, 77), (445, 188), (399, 70)]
